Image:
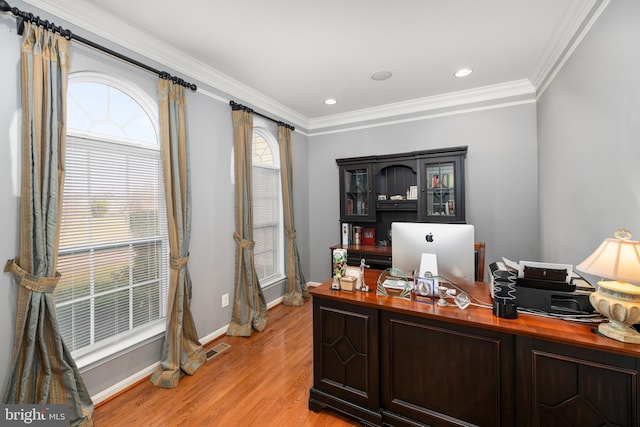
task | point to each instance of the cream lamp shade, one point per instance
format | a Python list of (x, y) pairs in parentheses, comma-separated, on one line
[(618, 299), (615, 259)]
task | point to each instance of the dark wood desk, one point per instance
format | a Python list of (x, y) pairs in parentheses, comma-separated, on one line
[(390, 361)]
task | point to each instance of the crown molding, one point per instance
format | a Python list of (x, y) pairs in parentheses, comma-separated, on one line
[(83, 15), (582, 25), (491, 93), (578, 23), (427, 115), (91, 18)]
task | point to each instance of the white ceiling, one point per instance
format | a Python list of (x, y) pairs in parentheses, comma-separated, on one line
[(287, 56)]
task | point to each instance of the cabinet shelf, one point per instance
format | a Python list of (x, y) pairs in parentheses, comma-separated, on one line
[(434, 177), (440, 189)]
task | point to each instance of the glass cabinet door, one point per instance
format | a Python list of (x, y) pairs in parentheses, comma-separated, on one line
[(356, 200), (442, 191)]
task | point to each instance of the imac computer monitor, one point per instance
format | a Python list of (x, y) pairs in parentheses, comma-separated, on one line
[(453, 245)]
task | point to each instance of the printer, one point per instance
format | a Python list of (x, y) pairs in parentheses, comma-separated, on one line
[(551, 288)]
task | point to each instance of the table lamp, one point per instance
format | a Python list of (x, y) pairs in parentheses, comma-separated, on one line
[(619, 298)]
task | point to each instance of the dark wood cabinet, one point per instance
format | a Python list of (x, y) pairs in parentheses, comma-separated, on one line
[(562, 385), (376, 257), (345, 354), (442, 188), (356, 192), (420, 186), (395, 362)]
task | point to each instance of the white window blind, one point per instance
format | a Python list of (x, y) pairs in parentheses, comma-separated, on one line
[(265, 220), (113, 253), (267, 211)]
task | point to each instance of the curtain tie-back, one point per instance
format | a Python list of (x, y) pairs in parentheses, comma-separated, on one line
[(243, 243), (291, 234), (177, 264), (29, 281)]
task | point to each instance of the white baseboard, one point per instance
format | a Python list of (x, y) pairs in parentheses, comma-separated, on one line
[(124, 384), (275, 302), (214, 335)]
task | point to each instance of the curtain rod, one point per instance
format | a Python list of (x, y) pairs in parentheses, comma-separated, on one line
[(236, 106), (25, 16)]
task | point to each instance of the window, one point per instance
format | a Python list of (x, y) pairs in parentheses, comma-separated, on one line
[(267, 208), (113, 255)]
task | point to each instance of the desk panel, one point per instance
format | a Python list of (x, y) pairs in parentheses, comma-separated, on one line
[(443, 366), (430, 372)]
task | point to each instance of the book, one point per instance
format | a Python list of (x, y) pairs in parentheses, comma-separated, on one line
[(357, 235), (345, 233)]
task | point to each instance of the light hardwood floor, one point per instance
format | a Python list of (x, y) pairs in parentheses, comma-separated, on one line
[(263, 380)]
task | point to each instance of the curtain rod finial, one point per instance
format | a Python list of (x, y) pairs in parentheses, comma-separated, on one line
[(4, 6)]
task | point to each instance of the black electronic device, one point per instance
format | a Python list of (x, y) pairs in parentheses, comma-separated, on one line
[(556, 302), (548, 285), (557, 274), (543, 289), (551, 279)]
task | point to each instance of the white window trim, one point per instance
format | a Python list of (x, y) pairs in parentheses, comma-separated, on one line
[(126, 343), (111, 349), (147, 103)]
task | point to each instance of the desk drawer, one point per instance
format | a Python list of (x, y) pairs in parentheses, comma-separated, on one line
[(397, 205), (376, 261)]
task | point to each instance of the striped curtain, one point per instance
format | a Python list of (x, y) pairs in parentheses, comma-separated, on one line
[(296, 291), (249, 309), (181, 351), (42, 370)]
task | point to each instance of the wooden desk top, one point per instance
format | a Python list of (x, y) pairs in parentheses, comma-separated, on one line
[(370, 249), (529, 325)]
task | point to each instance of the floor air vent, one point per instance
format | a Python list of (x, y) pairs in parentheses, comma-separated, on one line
[(217, 350)]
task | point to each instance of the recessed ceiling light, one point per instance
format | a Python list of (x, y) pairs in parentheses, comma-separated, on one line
[(463, 72), (381, 75), (330, 101)]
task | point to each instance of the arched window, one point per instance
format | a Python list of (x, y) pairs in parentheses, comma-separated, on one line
[(113, 253), (268, 232)]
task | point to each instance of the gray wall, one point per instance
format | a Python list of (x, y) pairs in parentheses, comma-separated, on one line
[(212, 246), (501, 176), (589, 140)]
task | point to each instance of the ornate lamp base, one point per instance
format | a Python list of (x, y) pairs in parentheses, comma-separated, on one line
[(620, 332), (620, 302)]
